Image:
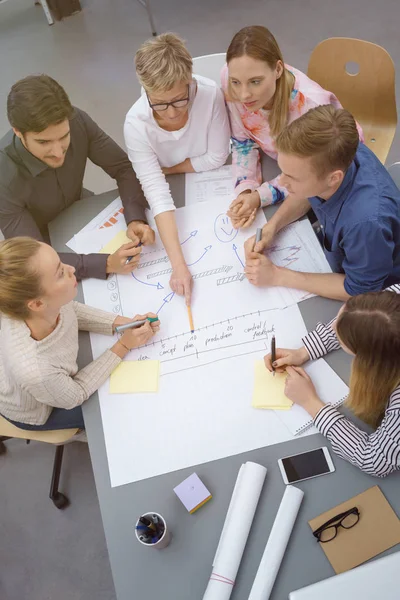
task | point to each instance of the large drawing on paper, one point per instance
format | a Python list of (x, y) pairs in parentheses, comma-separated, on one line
[(204, 403)]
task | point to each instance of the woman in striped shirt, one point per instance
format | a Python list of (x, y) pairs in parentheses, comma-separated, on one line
[(368, 328)]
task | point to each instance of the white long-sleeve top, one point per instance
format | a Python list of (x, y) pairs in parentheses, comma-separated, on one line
[(37, 375), (204, 139), (377, 453)]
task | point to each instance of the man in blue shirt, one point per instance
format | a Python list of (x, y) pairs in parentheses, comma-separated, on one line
[(357, 203)]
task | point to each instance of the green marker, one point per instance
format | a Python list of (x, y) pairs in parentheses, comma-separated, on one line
[(135, 324)]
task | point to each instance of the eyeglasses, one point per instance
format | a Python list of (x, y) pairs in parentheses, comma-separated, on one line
[(328, 531), (176, 103)]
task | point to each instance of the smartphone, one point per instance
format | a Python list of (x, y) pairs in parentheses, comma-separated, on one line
[(306, 465)]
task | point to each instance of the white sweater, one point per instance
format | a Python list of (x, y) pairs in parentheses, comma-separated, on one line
[(204, 139), (37, 375)]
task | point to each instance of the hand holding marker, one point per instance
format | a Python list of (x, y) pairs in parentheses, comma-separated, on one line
[(134, 324)]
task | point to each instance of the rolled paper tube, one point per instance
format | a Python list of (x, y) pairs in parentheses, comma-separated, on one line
[(276, 545), (235, 531)]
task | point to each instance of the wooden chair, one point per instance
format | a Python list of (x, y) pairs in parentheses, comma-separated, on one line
[(59, 437), (362, 76)]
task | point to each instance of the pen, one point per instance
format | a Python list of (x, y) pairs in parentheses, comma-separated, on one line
[(258, 236), (273, 354), (128, 260), (148, 523), (120, 328), (190, 319)]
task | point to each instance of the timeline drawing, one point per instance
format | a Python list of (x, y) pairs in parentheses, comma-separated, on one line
[(231, 279)]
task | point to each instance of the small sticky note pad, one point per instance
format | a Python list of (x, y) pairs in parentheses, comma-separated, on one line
[(116, 243), (135, 376), (269, 390), (192, 493)]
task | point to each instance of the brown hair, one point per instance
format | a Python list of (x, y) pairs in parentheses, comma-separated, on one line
[(19, 282), (329, 135), (259, 43), (36, 102), (369, 326), (163, 61)]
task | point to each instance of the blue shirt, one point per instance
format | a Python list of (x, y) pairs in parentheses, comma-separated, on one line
[(361, 226)]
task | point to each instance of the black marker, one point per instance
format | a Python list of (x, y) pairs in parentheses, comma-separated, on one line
[(273, 354)]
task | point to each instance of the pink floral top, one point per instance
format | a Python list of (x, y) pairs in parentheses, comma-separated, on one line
[(250, 132)]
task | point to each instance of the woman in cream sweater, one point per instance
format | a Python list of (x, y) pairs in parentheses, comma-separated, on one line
[(40, 384)]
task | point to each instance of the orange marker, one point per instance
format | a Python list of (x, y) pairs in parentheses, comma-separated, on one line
[(190, 319)]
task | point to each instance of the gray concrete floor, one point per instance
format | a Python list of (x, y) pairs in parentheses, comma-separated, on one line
[(46, 554)]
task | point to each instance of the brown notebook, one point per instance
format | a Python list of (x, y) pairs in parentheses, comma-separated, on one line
[(377, 530)]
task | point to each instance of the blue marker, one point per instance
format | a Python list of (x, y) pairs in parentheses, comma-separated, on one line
[(128, 260)]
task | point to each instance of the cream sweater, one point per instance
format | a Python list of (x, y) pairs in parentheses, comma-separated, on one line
[(35, 376)]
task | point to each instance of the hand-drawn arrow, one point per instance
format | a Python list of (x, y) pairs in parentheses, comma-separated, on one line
[(192, 234), (236, 252), (206, 249), (166, 299), (156, 285)]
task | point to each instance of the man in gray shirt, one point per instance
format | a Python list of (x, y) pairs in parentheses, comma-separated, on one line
[(42, 164)]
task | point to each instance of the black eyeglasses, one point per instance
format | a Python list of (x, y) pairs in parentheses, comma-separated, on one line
[(181, 103), (328, 531)]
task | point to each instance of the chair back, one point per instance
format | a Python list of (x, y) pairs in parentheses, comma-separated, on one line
[(210, 66), (362, 76), (50, 437)]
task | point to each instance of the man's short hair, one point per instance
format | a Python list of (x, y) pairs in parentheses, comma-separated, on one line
[(36, 102), (326, 134)]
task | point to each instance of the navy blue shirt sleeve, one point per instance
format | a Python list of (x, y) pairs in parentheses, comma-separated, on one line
[(368, 248)]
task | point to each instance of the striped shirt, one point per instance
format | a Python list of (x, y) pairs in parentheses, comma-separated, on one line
[(377, 453)]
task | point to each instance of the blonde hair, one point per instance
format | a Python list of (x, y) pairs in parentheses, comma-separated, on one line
[(369, 326), (19, 282), (163, 61), (326, 134), (259, 43)]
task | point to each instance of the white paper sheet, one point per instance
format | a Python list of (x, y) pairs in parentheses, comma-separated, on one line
[(276, 545), (235, 531), (209, 185), (109, 217), (204, 402)]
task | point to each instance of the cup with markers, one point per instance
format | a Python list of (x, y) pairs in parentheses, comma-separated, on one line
[(151, 530)]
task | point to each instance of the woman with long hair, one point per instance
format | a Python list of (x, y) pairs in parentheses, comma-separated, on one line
[(40, 385), (178, 125), (368, 328), (263, 95)]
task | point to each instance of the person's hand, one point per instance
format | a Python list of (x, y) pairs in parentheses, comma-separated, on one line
[(286, 357), (260, 270), (138, 336), (181, 282), (243, 209), (138, 232), (300, 389), (116, 263), (268, 234)]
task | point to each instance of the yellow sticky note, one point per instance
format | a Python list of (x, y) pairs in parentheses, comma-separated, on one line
[(135, 376), (269, 390), (116, 243)]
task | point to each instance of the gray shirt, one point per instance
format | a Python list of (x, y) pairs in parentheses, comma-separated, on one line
[(33, 194)]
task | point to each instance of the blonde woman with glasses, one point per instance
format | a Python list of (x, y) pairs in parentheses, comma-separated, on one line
[(178, 125)]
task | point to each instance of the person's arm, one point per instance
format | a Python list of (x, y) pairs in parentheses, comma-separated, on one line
[(181, 279), (369, 250), (217, 138), (321, 340), (148, 169), (16, 220), (378, 453), (94, 319), (107, 154), (183, 167)]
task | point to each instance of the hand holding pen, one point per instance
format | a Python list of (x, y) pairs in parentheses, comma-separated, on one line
[(137, 331), (285, 357)]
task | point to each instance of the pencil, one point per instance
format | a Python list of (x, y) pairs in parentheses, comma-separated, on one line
[(190, 319), (273, 354)]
